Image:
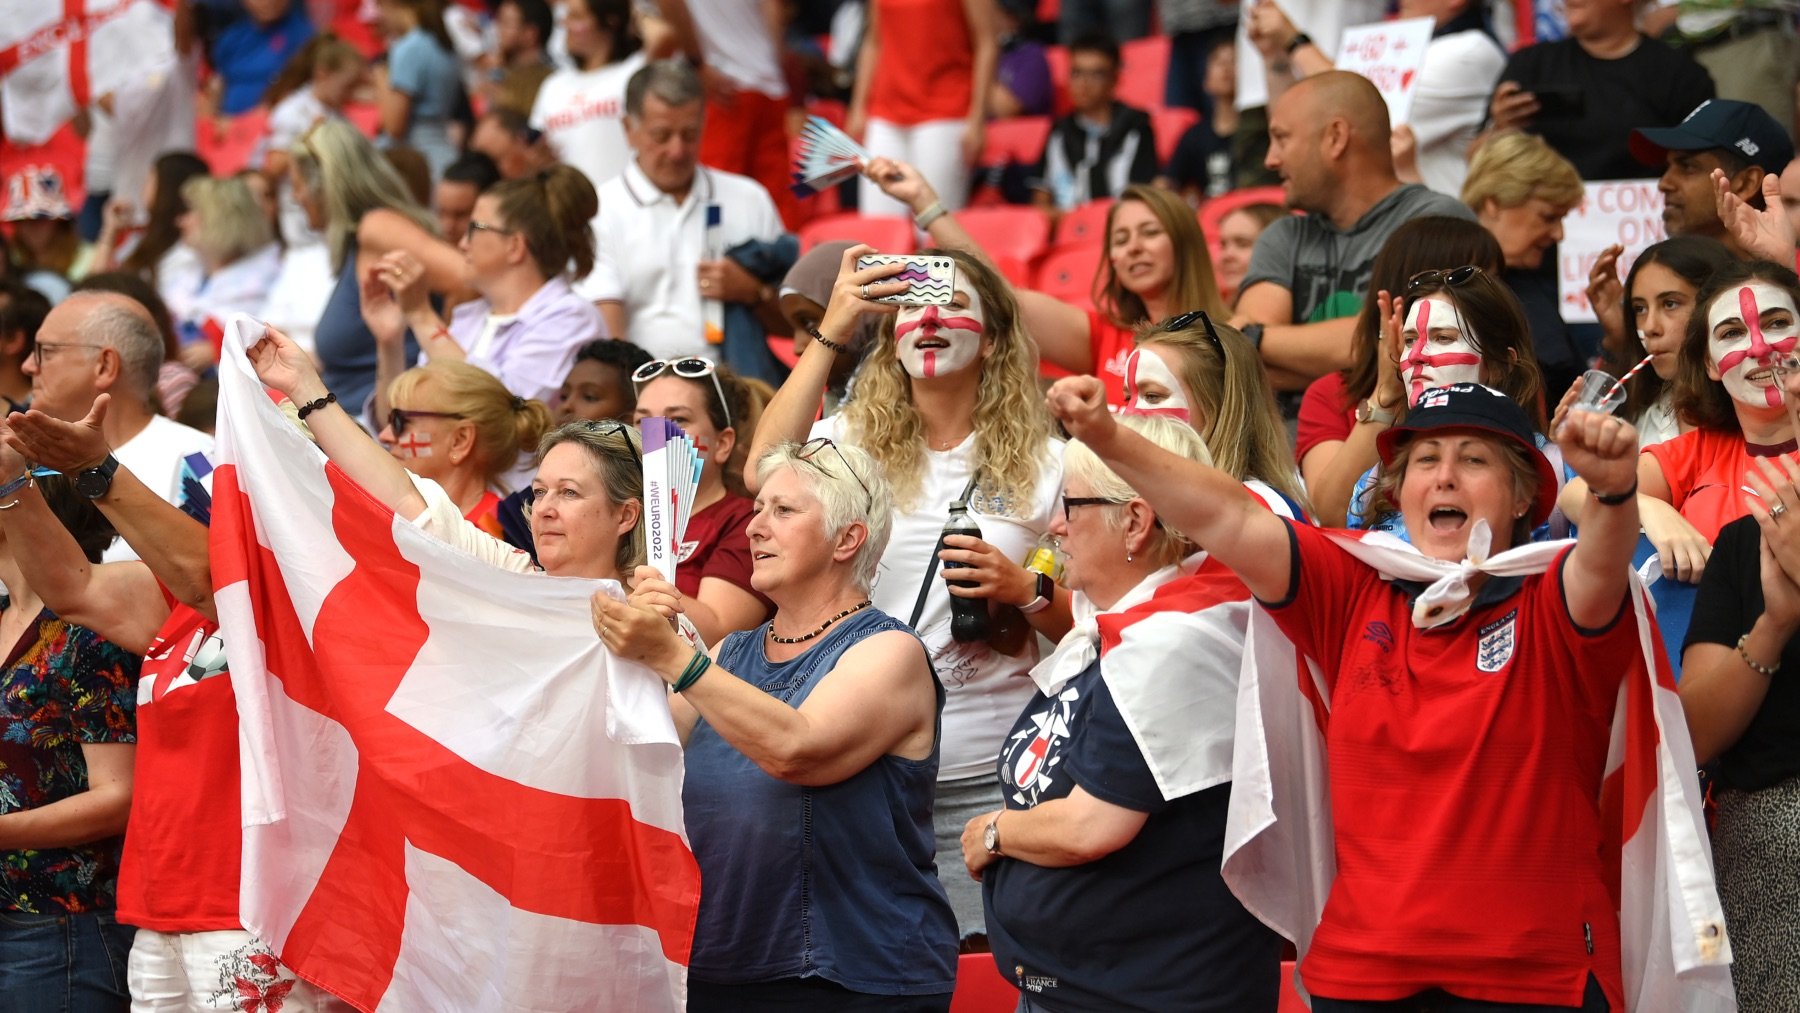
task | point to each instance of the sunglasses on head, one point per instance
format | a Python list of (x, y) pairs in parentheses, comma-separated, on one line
[(691, 367), (399, 418), (1456, 277), (811, 448), (1186, 320)]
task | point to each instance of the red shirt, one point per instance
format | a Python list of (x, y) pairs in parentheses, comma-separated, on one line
[(1112, 345), (1466, 764), (183, 843), (1323, 414), (717, 546), (485, 514), (927, 66), (1705, 469)]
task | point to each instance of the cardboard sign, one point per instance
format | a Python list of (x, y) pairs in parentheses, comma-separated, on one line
[(1627, 212), (1389, 53)]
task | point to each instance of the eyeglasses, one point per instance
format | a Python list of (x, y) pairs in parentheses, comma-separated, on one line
[(399, 418), (1186, 320), (811, 447), (692, 367), (37, 351), (475, 226), (1071, 502), (1456, 277), (605, 428)]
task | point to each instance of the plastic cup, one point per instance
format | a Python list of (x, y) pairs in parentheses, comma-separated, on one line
[(1600, 392)]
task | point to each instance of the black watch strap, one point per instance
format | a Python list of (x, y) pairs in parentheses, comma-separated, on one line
[(95, 482)]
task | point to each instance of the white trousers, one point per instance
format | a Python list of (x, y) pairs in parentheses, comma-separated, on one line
[(934, 148), (175, 972)]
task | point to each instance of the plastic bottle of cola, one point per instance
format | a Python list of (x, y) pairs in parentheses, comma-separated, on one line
[(968, 616)]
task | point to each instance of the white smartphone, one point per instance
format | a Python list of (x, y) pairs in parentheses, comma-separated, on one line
[(933, 278)]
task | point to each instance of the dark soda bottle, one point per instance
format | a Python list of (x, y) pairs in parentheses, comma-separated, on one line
[(968, 616)]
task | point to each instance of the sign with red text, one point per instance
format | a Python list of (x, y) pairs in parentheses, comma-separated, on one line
[(1625, 212), (1389, 53)]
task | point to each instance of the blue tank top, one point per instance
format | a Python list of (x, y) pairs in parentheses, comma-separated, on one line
[(346, 347), (836, 881)]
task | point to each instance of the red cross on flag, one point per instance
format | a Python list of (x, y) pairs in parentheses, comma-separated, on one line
[(453, 796), (55, 55)]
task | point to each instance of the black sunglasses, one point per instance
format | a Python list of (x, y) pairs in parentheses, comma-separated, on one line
[(1456, 277), (1186, 320), (811, 447), (399, 418), (613, 427)]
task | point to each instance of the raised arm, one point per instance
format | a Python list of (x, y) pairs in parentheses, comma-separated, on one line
[(382, 231), (790, 413), (1333, 480), (1768, 233), (1060, 330), (281, 364), (1205, 504), (1603, 451)]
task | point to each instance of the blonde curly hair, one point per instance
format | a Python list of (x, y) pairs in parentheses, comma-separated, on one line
[(1011, 426)]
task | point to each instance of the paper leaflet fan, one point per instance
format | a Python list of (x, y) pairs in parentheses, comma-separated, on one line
[(827, 157), (671, 477)]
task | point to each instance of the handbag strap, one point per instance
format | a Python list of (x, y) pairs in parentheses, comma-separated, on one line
[(933, 564)]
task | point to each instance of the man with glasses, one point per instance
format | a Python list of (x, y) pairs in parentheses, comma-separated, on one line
[(97, 343)]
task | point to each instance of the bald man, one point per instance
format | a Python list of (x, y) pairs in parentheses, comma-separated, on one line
[(1328, 141), (97, 343)]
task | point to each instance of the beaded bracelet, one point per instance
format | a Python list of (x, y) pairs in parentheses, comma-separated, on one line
[(312, 406), (1766, 671), (696, 668)]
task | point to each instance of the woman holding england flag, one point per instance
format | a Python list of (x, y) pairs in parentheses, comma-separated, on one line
[(1470, 695)]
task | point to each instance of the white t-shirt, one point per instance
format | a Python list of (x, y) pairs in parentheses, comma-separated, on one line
[(650, 250), (1450, 102), (582, 115), (241, 286), (735, 40), (175, 462), (985, 689)]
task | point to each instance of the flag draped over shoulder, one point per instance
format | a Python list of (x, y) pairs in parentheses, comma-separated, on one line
[(1278, 836), (56, 55), (453, 796)]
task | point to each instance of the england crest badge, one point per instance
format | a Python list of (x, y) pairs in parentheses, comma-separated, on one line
[(1495, 648)]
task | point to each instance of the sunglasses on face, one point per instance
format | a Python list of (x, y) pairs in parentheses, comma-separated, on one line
[(1454, 278), (811, 448), (399, 418), (692, 367)]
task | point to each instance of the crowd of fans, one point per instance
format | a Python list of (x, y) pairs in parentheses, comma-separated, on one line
[(490, 237)]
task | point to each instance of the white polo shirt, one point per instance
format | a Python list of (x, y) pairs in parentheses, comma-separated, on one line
[(651, 247)]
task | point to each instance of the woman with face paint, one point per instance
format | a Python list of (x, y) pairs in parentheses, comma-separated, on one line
[(1743, 325), (1743, 711), (1207, 375), (1658, 303), (709, 401), (1453, 691), (947, 405), (1156, 266), (1455, 326)]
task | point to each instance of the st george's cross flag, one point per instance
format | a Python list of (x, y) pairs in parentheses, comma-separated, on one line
[(1675, 952), (57, 55), (453, 797)]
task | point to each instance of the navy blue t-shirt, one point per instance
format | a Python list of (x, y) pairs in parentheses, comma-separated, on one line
[(1151, 926)]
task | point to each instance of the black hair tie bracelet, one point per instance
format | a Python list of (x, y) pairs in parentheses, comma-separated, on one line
[(312, 406)]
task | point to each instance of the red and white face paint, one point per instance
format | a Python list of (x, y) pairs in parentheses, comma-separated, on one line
[(1438, 351), (940, 340), (414, 444), (1746, 331), (1151, 387)]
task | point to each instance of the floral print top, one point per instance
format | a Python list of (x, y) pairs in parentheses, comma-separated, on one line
[(60, 686)]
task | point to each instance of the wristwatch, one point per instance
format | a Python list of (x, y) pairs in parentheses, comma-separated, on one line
[(1046, 590), (1299, 39), (990, 838), (1369, 411), (1252, 333), (95, 482)]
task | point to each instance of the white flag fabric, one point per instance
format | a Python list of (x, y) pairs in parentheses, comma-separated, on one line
[(57, 55), (1278, 836), (453, 796)]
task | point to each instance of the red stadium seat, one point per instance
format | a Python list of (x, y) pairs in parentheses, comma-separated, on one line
[(1058, 59), (888, 235), (1067, 273), (1085, 224), (1214, 211), (1144, 72), (1018, 139), (1016, 233), (980, 988), (1169, 125)]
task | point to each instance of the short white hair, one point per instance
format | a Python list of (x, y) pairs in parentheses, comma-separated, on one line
[(1166, 544), (863, 495)]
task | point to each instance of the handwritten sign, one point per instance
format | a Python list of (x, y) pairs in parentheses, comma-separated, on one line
[(1389, 53), (1627, 212)]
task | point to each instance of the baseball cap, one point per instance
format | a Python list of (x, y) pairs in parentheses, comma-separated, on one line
[(1474, 406), (1744, 127)]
